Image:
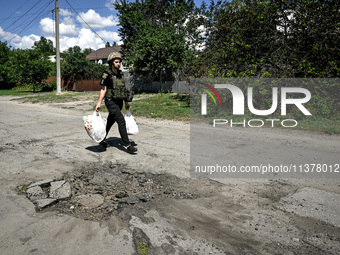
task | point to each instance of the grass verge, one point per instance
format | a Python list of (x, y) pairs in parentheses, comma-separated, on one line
[(11, 92), (163, 106), (167, 106)]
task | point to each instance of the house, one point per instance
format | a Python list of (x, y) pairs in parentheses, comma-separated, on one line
[(52, 58), (100, 56)]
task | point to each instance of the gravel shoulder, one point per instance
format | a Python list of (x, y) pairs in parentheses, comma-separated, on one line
[(130, 204)]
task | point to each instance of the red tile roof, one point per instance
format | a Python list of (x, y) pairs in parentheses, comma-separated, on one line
[(103, 52)]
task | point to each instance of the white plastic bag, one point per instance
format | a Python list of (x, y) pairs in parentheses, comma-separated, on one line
[(95, 126), (131, 125)]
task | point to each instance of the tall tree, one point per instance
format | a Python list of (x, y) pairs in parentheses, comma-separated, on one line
[(28, 67), (5, 52), (75, 63), (87, 51), (77, 66), (155, 34), (296, 38), (44, 46)]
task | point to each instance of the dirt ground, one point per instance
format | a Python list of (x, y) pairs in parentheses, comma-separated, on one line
[(147, 203)]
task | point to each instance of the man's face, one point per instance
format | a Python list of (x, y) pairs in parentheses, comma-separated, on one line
[(116, 63)]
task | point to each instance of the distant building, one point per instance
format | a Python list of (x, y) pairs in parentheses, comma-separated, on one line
[(100, 56), (52, 58)]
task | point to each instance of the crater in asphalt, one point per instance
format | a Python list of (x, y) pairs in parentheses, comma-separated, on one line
[(98, 191), (115, 195)]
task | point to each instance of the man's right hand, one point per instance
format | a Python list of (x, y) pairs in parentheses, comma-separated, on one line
[(98, 107)]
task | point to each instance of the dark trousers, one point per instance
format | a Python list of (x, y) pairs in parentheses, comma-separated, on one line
[(115, 115)]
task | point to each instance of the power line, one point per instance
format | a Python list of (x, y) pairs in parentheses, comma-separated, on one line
[(24, 14), (19, 16), (10, 17), (84, 21), (25, 2), (37, 17), (40, 14), (84, 8)]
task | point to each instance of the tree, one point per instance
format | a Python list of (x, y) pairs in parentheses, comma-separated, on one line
[(77, 66), (107, 45), (313, 40), (44, 46), (87, 51), (296, 38), (5, 52), (28, 67), (75, 63), (154, 34), (19, 66)]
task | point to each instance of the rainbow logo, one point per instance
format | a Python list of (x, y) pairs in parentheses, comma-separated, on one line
[(209, 93)]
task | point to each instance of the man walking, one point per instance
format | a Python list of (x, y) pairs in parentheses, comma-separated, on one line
[(115, 93)]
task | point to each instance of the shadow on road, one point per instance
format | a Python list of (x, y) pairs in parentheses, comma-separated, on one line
[(112, 142)]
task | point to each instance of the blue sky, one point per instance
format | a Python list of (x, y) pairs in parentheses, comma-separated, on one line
[(22, 22)]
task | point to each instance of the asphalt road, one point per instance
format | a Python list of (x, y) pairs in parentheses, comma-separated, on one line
[(194, 216)]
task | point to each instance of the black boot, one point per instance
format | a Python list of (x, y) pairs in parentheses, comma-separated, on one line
[(104, 144), (130, 149)]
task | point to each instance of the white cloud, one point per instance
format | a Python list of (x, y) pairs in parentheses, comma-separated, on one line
[(94, 20), (47, 26), (71, 34), (6, 36), (66, 27), (85, 39), (68, 21), (24, 42), (109, 4), (109, 36), (65, 12), (28, 41)]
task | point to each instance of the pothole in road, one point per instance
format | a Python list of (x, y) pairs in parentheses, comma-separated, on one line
[(97, 191)]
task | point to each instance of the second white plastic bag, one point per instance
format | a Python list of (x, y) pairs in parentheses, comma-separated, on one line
[(131, 125)]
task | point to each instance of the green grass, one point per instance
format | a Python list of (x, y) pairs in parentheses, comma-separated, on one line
[(142, 249), (11, 92), (324, 125), (50, 98), (164, 106)]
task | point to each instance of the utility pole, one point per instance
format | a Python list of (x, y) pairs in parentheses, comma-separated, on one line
[(57, 46)]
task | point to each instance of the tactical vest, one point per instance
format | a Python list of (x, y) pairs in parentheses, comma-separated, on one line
[(118, 90)]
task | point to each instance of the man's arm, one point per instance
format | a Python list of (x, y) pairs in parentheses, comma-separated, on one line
[(101, 96)]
